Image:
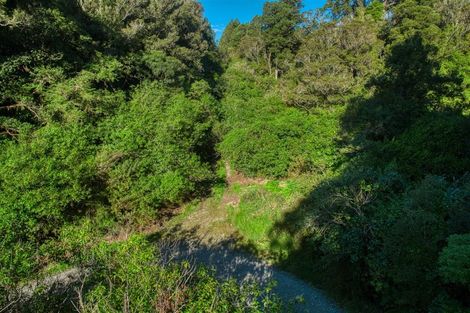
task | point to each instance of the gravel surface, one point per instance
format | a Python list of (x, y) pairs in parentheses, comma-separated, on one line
[(232, 263)]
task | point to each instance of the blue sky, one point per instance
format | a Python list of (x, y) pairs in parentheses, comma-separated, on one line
[(221, 12)]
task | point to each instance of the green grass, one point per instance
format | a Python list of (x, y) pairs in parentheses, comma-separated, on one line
[(260, 208), (190, 208), (285, 188), (250, 212), (55, 268), (186, 211)]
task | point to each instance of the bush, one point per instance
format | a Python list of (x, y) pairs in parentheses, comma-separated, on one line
[(154, 151), (454, 262), (279, 143), (384, 235), (436, 144), (43, 177), (263, 137), (133, 274)]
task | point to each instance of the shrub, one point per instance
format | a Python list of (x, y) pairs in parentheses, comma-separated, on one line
[(154, 150), (132, 274), (43, 177), (436, 144), (263, 137), (454, 262)]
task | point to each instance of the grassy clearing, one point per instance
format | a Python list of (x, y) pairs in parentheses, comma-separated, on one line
[(248, 212), (259, 208)]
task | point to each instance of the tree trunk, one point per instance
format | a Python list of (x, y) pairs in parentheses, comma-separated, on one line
[(270, 66)]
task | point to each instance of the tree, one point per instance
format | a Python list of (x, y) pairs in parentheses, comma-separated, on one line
[(454, 261), (376, 10), (177, 28), (279, 24), (44, 177), (339, 9), (418, 76), (231, 37), (334, 63), (456, 16), (71, 141)]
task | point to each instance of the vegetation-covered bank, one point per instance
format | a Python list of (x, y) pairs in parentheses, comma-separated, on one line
[(375, 112), (107, 112)]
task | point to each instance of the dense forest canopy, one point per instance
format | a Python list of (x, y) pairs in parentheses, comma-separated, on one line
[(115, 113)]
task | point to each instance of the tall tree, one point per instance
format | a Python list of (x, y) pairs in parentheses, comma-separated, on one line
[(334, 63), (280, 21), (338, 9), (231, 37), (342, 8)]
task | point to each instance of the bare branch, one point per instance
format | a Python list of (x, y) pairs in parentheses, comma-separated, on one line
[(21, 105)]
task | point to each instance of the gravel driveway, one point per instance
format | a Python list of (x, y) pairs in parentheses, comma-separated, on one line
[(232, 263)]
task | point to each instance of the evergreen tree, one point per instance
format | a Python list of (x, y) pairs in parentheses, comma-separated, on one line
[(279, 24), (339, 9)]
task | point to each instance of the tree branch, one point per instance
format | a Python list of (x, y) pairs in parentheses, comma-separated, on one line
[(20, 105)]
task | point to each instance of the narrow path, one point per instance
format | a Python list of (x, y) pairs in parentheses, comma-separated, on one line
[(208, 238)]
